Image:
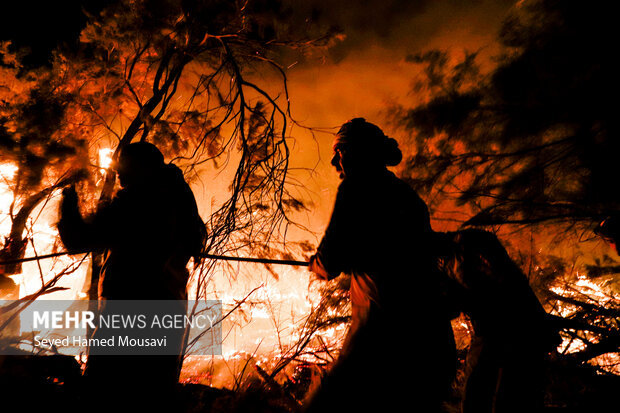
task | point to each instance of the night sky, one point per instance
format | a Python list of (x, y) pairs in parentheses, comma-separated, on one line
[(43, 25)]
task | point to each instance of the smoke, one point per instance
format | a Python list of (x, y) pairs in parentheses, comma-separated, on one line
[(401, 24), (366, 70)]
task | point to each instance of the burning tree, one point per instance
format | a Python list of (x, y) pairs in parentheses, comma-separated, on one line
[(528, 148), (178, 74), (37, 141), (536, 133), (188, 76)]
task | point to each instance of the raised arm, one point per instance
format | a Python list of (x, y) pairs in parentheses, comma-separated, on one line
[(79, 234)]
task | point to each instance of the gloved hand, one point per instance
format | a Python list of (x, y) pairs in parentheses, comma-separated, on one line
[(316, 266)]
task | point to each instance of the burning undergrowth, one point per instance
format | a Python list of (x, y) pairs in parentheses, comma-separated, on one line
[(280, 377)]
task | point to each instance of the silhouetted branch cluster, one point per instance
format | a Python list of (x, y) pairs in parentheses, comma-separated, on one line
[(532, 139), (585, 308), (178, 74)]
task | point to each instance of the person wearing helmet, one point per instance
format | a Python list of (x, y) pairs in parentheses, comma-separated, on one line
[(149, 231), (380, 234)]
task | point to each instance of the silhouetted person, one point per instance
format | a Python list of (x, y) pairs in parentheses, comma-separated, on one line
[(399, 354), (512, 332), (149, 231)]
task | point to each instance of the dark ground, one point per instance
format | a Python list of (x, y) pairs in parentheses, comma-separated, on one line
[(53, 383)]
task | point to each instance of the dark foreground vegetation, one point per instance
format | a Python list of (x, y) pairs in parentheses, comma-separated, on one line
[(54, 383)]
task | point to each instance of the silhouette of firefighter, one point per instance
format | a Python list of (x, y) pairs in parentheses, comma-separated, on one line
[(505, 366), (149, 231), (399, 354)]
